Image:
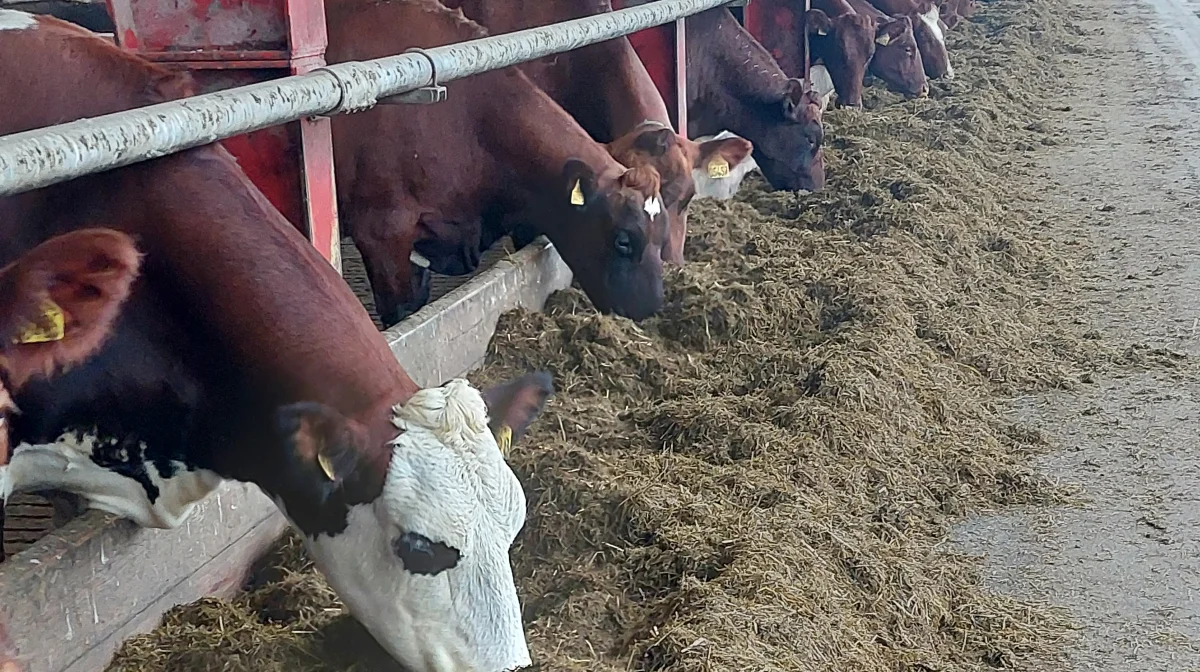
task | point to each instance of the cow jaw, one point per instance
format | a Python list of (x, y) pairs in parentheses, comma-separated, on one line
[(425, 565)]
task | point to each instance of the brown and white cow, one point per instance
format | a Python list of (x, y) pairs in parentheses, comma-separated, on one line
[(608, 91), (241, 354), (927, 29), (897, 59), (448, 180), (734, 85)]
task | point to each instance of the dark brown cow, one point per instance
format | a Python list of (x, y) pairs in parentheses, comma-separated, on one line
[(241, 354), (733, 84), (927, 29), (448, 180), (608, 91), (897, 59)]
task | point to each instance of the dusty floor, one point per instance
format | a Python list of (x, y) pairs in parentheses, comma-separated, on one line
[(1126, 563)]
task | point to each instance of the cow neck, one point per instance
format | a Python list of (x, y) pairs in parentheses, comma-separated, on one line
[(630, 80), (728, 68), (274, 305), (536, 143)]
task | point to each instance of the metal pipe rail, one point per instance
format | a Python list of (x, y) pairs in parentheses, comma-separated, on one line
[(45, 156)]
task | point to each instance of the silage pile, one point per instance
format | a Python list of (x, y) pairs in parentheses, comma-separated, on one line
[(763, 477)]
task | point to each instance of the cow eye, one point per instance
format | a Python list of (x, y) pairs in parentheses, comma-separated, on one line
[(623, 243), (422, 555)]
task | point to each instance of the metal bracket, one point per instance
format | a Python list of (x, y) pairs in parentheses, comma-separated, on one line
[(426, 95), (357, 96)]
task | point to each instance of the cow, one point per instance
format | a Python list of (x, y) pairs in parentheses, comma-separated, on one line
[(448, 180), (842, 43), (954, 12), (733, 84), (240, 354), (897, 59), (927, 29), (606, 89)]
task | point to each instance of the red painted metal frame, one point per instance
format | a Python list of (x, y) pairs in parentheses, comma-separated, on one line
[(226, 43)]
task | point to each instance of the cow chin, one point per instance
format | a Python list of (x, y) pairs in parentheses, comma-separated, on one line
[(464, 618)]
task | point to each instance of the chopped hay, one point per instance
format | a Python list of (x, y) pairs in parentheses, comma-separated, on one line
[(763, 477)]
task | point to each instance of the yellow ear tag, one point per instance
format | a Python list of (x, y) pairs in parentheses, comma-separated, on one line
[(504, 439), (326, 466), (577, 194), (884, 40), (52, 327), (718, 167)]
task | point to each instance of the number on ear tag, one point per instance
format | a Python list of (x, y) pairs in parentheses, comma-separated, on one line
[(718, 167), (50, 328)]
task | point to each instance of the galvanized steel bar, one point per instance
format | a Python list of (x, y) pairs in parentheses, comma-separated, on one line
[(41, 157)]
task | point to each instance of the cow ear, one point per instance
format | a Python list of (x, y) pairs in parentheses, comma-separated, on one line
[(512, 406), (793, 98), (886, 33), (58, 301), (732, 151), (322, 448), (580, 181), (818, 22), (655, 142)]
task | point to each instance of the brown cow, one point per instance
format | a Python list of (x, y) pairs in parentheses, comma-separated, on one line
[(241, 354), (447, 180), (608, 91), (927, 29), (733, 84), (954, 12), (842, 41), (897, 59)]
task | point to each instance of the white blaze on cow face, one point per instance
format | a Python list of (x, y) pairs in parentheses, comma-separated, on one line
[(13, 20), (425, 566), (933, 20), (653, 206)]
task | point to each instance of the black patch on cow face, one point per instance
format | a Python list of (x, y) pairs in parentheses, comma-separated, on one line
[(422, 555)]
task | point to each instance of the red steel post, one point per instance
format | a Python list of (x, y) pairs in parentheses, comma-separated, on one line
[(226, 43)]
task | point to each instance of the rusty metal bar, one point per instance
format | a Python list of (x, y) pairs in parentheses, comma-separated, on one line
[(41, 157)]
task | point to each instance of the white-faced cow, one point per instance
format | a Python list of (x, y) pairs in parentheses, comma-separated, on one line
[(241, 354)]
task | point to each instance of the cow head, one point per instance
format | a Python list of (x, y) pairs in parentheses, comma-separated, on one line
[(788, 138), (58, 302), (931, 41), (953, 12), (610, 227), (846, 43), (679, 163), (897, 59), (424, 564)]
